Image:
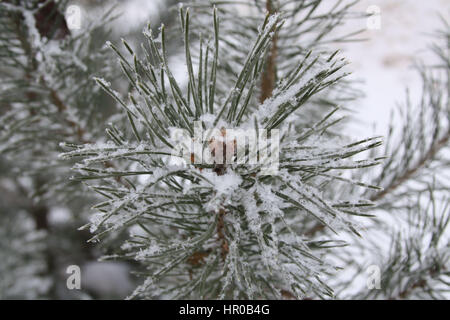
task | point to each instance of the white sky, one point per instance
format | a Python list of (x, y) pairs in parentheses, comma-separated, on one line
[(384, 62)]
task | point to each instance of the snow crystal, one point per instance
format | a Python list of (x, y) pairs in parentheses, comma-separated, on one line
[(225, 184)]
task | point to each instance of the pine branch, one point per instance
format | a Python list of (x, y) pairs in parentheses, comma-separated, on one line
[(409, 174), (235, 224), (42, 106), (415, 151)]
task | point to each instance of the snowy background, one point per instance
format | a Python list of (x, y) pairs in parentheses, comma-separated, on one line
[(385, 60)]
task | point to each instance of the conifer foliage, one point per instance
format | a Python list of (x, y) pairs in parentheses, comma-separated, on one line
[(170, 186), (223, 230)]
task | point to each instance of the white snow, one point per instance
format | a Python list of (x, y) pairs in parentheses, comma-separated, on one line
[(384, 61)]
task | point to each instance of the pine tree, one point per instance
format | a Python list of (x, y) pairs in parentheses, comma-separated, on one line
[(174, 191)]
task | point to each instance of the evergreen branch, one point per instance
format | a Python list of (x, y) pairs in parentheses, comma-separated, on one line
[(430, 155)]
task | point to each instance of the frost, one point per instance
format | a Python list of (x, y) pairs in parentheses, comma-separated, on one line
[(151, 250), (270, 106), (193, 222), (31, 26), (208, 119), (225, 184)]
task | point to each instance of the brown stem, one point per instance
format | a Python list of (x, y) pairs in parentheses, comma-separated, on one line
[(221, 234), (270, 72)]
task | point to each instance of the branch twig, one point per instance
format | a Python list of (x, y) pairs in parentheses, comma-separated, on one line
[(408, 174), (270, 72)]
